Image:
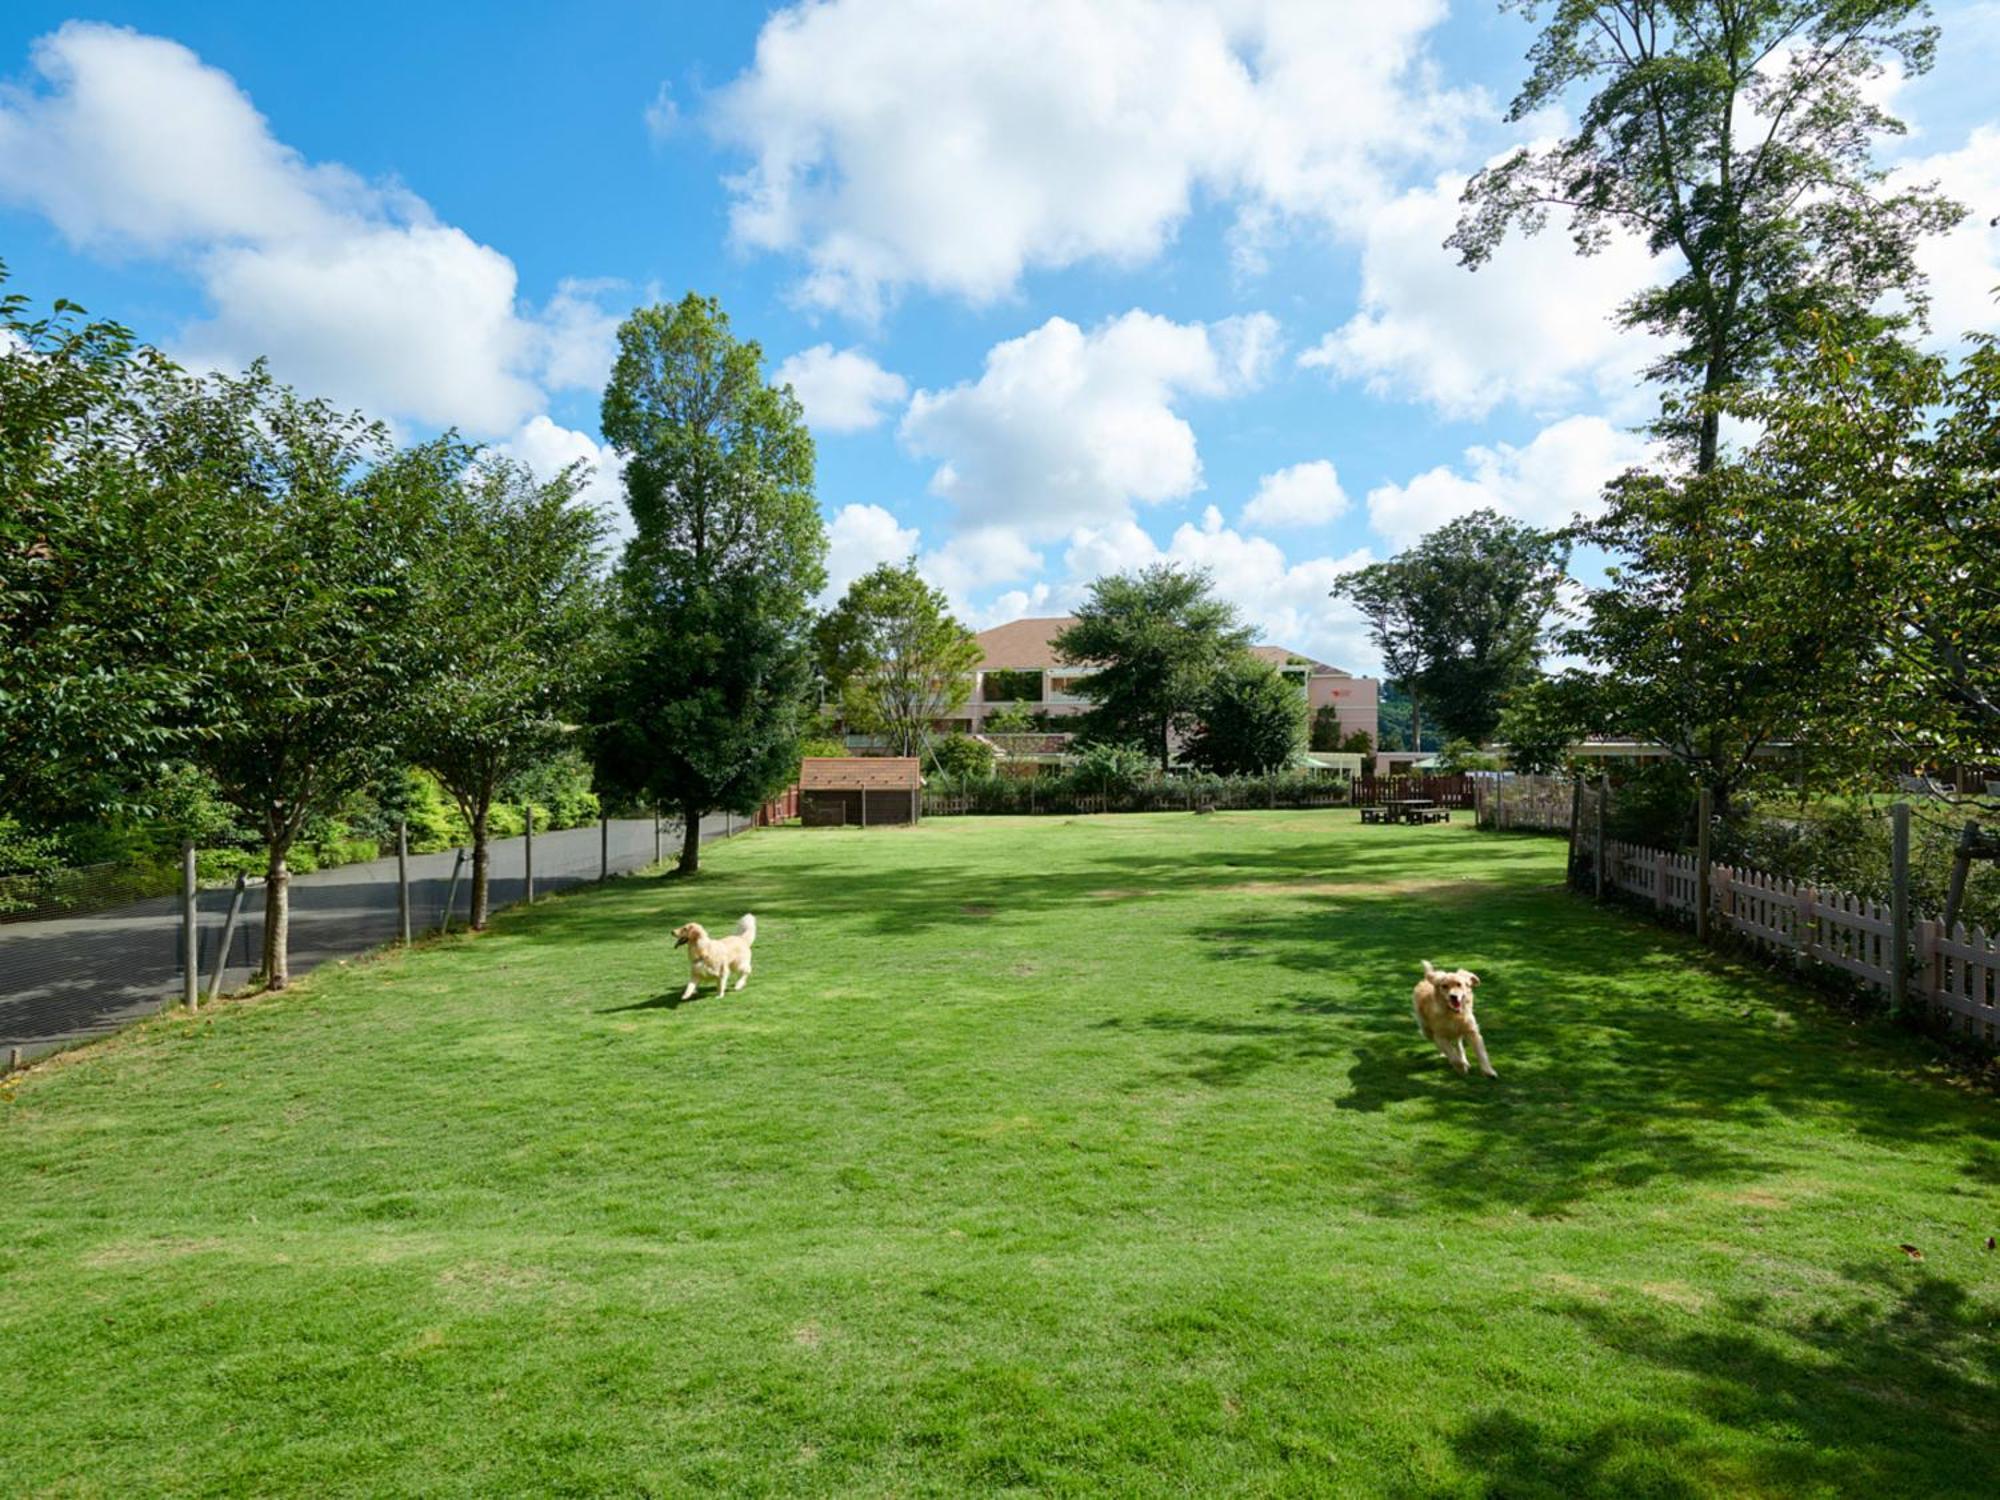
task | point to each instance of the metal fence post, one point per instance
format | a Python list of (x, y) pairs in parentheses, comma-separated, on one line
[(402, 880), (228, 933), (1575, 821), (1704, 815), (191, 970), (659, 848), (528, 851), (604, 846), (1899, 908), (451, 893)]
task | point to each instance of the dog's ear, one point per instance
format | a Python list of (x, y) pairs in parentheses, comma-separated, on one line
[(1473, 977), (1429, 972)]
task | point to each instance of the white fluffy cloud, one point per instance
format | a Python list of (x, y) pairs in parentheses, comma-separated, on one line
[(1306, 494), (131, 145), (1963, 267), (548, 448), (1288, 602), (1532, 326), (1562, 471), (859, 539), (1065, 427), (898, 142), (841, 390)]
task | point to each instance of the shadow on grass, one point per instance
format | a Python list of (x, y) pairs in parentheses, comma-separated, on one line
[(1892, 1395), (669, 1000), (1625, 1053)]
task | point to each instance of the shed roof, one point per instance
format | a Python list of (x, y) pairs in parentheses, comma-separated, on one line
[(860, 773)]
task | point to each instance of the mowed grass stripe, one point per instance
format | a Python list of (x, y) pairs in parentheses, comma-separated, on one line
[(1049, 1156)]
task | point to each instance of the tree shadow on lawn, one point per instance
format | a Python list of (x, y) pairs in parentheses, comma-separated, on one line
[(918, 896), (1897, 1392), (1621, 1058)]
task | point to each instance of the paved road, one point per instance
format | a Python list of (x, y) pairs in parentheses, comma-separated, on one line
[(76, 977)]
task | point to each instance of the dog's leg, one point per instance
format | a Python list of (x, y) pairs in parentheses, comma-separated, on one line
[(722, 982), (688, 993), (741, 980), (1457, 1056), (1485, 1064)]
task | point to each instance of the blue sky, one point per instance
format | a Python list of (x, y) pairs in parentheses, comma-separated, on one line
[(1065, 288)]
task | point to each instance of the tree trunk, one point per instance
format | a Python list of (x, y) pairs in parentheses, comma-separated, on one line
[(1416, 726), (481, 860), (690, 839), (277, 920), (1166, 746)]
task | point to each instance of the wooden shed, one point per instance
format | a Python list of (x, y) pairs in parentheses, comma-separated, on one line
[(865, 791)]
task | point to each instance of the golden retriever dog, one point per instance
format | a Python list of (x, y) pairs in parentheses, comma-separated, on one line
[(716, 958), (1442, 1002)]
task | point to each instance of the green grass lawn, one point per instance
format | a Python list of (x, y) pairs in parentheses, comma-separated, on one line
[(1097, 1156)]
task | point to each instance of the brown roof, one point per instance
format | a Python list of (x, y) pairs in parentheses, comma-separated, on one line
[(1023, 646), (853, 773), (1277, 656)]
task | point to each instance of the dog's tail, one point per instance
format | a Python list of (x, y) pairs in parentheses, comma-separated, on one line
[(1428, 970), (748, 928)]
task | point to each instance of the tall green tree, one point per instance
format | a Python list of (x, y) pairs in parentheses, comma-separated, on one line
[(1253, 721), (115, 570), (1886, 478), (1382, 593), (896, 657), (703, 704), (511, 580), (1726, 625), (1738, 139), (309, 703), (1154, 640), (1462, 617)]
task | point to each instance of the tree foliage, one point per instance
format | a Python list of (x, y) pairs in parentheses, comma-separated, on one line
[(1887, 477), (1725, 626), (896, 657), (115, 570), (511, 580), (329, 526), (1253, 721), (703, 706), (1154, 640), (1737, 137), (1462, 617)]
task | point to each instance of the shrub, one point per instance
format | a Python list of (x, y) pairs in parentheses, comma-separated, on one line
[(1102, 769), (1463, 755), (1015, 720), (962, 757)]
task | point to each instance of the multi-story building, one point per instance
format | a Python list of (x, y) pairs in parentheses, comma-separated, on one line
[(1021, 671)]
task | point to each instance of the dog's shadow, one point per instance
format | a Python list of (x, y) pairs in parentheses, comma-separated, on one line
[(668, 1000)]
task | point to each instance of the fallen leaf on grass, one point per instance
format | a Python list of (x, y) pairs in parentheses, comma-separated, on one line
[(1912, 1251)]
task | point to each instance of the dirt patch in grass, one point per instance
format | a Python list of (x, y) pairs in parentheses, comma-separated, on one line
[(480, 1281), (148, 1252)]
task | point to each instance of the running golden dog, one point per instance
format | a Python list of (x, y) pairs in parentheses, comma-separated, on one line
[(1442, 1003), (716, 958)]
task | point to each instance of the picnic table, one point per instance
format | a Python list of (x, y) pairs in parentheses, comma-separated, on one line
[(1412, 810)]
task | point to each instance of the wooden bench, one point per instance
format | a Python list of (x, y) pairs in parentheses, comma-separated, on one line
[(1371, 815)]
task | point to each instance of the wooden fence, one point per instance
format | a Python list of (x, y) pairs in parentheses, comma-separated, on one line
[(780, 809), (1446, 791), (1537, 803), (1956, 975)]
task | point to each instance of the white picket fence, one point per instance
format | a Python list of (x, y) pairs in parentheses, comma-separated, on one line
[(1957, 975)]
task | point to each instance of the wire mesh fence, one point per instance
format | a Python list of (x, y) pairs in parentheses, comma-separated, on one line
[(90, 959)]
